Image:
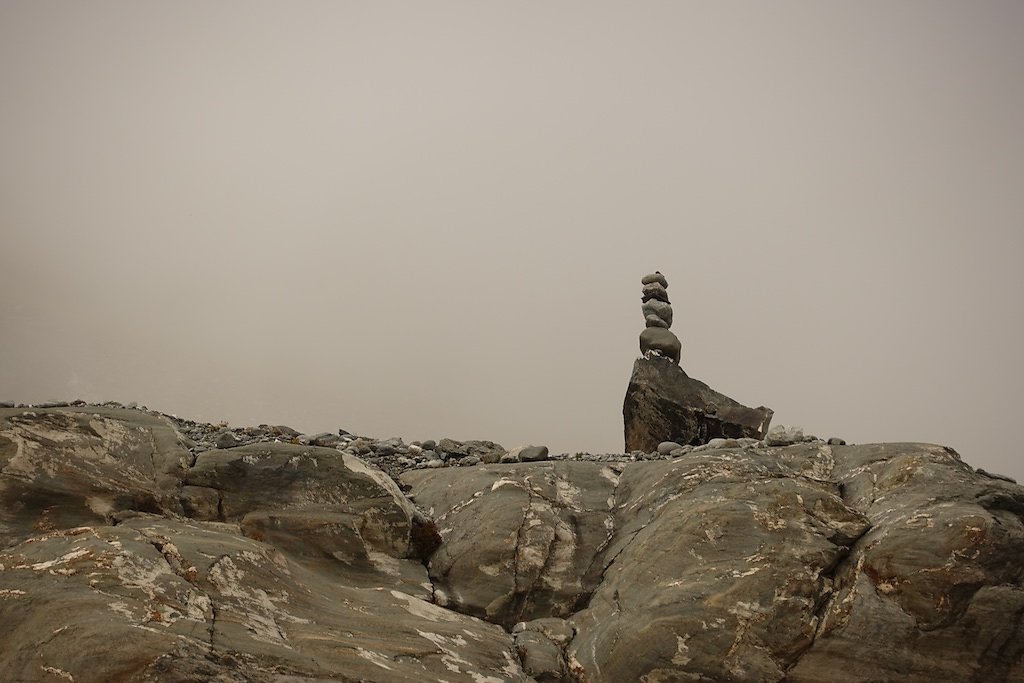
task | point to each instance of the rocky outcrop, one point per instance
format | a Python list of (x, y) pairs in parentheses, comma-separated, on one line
[(663, 404), (805, 563), (520, 540), (127, 555), (126, 558)]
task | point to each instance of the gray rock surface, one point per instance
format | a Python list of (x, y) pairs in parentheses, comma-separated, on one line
[(520, 540), (783, 435), (663, 403), (533, 454), (131, 554), (803, 563), (122, 560), (227, 439)]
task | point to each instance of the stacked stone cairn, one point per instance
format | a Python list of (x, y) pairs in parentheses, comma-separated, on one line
[(657, 310)]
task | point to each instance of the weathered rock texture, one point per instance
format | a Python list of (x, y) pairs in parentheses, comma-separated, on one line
[(805, 563), (663, 403), (127, 558), (124, 560)]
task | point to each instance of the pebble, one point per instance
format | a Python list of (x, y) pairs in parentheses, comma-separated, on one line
[(325, 439), (654, 290), (659, 309), (781, 435), (394, 456), (666, 447), (226, 439), (533, 454), (836, 441), (656, 276)]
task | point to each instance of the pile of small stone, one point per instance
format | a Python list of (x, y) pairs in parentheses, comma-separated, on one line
[(657, 310), (394, 456), (73, 404), (779, 435)]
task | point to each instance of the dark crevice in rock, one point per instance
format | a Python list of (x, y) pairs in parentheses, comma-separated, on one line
[(424, 538), (211, 629), (518, 597), (585, 599), (535, 584), (830, 574)]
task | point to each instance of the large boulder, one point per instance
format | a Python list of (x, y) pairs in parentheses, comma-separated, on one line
[(155, 599), (935, 589), (325, 508), (663, 403), (802, 563), (126, 559), (519, 540), (67, 467)]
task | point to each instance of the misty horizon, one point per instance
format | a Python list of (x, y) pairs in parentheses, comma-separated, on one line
[(431, 220)]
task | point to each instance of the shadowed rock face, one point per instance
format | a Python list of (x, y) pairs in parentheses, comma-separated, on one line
[(125, 558), (663, 403)]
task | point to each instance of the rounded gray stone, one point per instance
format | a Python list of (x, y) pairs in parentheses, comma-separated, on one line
[(533, 454), (655, 291), (781, 435), (325, 439), (661, 340), (655, 321), (656, 276), (658, 308), (666, 447), (226, 439)]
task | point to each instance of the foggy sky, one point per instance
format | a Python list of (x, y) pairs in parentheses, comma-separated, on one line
[(431, 219)]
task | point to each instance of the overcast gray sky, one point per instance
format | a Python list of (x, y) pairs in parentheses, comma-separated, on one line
[(430, 219)]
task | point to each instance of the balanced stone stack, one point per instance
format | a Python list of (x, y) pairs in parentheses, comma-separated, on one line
[(663, 403), (657, 311)]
